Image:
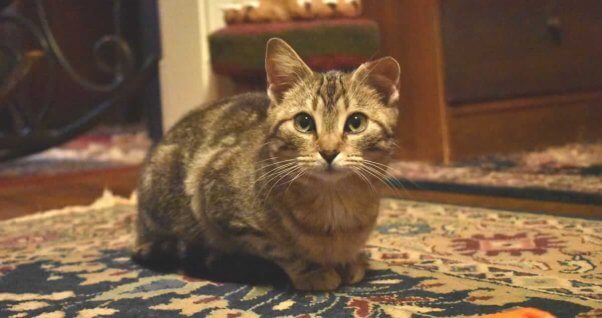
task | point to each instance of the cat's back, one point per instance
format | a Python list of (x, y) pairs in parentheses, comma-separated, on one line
[(222, 127), (224, 122), (215, 142)]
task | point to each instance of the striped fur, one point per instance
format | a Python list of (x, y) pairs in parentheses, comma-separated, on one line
[(237, 177)]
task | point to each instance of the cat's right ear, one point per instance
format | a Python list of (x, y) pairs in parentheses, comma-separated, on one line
[(284, 68)]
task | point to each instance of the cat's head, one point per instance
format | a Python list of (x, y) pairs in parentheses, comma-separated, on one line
[(331, 124)]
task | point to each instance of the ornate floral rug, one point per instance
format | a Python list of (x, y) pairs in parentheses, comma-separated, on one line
[(571, 173), (102, 148), (427, 260)]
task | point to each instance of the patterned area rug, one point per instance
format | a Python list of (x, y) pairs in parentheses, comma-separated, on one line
[(571, 173), (427, 260), (102, 148)]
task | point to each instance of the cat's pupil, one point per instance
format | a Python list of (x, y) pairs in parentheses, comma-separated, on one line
[(304, 122), (355, 123)]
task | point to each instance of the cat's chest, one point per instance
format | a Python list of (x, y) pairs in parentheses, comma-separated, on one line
[(332, 227), (336, 211)]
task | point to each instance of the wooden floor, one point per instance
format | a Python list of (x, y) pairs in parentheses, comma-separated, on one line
[(26, 195)]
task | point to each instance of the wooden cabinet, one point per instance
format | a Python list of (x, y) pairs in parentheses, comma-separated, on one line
[(488, 76), (499, 49)]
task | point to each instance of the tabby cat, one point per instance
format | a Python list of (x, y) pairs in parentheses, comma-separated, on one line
[(289, 177)]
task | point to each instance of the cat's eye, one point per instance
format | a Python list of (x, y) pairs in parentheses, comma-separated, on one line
[(304, 123), (356, 123)]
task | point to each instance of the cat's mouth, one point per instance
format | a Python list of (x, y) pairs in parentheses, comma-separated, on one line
[(330, 172)]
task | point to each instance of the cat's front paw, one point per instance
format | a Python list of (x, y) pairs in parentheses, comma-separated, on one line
[(354, 272), (159, 255), (323, 279)]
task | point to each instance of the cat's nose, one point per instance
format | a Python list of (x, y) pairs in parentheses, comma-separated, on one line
[(329, 155)]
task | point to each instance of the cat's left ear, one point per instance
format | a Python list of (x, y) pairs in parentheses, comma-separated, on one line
[(284, 68), (383, 76)]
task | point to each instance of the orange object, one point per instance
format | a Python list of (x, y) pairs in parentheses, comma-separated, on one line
[(521, 313)]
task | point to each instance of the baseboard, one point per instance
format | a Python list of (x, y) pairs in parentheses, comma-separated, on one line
[(523, 124)]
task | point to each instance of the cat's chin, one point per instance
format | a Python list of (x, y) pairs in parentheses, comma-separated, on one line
[(330, 174)]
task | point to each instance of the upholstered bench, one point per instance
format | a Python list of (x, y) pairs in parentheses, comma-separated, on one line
[(237, 51)]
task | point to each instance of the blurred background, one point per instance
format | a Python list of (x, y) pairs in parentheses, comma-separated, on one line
[(501, 101)]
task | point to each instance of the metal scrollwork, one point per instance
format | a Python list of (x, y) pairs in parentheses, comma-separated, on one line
[(30, 132)]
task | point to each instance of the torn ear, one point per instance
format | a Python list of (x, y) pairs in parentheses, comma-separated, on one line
[(284, 68), (383, 76)]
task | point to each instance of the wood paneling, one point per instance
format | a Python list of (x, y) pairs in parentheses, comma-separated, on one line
[(410, 33), (529, 123)]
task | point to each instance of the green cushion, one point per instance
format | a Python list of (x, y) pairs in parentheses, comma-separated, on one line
[(239, 50)]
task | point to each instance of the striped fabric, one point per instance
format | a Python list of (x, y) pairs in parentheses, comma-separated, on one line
[(343, 44)]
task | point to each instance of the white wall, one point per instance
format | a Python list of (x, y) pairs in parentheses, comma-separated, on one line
[(185, 69)]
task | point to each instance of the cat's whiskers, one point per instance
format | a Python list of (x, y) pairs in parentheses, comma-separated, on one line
[(379, 176), (383, 173), (368, 171), (275, 170), (376, 169), (271, 178), (294, 179), (280, 176), (387, 169), (267, 159), (302, 163), (363, 177), (280, 171), (275, 163), (381, 167)]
